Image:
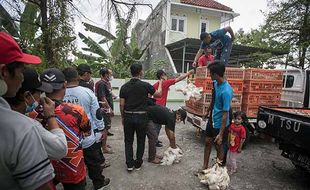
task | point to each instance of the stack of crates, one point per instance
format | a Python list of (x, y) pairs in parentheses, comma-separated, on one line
[(235, 76), (262, 87)]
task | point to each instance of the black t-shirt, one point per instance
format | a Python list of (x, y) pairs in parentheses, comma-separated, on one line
[(85, 84), (162, 115), (135, 92), (104, 89)]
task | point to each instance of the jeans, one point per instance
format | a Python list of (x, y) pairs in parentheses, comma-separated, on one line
[(224, 54), (135, 123), (93, 158), (153, 137)]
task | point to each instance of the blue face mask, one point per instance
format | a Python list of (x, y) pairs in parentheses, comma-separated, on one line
[(33, 106)]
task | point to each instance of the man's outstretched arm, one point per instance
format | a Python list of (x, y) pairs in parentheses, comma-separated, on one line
[(199, 53), (183, 76)]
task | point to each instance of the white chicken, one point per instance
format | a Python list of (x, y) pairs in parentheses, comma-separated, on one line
[(190, 90), (216, 178), (172, 156)]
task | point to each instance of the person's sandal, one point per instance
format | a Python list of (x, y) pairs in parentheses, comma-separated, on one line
[(108, 152), (105, 165), (156, 161), (159, 157), (199, 171)]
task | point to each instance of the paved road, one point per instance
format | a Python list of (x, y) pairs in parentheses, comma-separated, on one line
[(260, 166)]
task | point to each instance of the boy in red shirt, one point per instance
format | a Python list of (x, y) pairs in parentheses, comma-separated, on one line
[(207, 58), (236, 138)]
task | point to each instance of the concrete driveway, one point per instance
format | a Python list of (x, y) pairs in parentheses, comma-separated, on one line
[(260, 166)]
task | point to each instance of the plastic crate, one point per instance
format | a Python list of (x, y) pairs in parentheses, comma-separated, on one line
[(263, 74), (230, 73), (234, 73), (250, 110), (196, 107), (207, 97), (206, 84), (202, 73), (263, 86), (262, 99), (235, 108), (237, 86)]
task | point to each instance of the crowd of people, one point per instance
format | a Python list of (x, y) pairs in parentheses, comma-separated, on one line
[(55, 125)]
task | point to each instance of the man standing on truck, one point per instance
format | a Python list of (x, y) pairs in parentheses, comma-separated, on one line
[(217, 131), (219, 41), (166, 83)]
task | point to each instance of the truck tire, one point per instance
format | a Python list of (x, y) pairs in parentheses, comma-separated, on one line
[(247, 139)]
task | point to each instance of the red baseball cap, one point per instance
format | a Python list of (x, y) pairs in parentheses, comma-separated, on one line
[(11, 52)]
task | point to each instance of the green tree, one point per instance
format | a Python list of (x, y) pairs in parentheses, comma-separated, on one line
[(288, 22), (44, 28), (260, 38)]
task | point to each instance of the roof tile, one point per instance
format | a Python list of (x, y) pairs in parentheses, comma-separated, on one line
[(207, 3)]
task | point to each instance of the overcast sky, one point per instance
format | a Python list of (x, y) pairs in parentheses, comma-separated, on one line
[(250, 14)]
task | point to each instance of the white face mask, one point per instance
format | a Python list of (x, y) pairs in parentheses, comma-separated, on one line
[(3, 87), (111, 78)]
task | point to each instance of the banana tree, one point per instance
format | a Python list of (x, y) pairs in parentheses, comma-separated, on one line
[(120, 54)]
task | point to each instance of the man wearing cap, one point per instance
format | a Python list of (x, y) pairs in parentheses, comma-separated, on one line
[(24, 163), (92, 149), (27, 100), (70, 170), (85, 76), (162, 100), (161, 115), (219, 41)]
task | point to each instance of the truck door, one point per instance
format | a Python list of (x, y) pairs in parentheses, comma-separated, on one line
[(307, 89)]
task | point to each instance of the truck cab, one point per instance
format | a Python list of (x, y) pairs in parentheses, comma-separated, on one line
[(295, 92)]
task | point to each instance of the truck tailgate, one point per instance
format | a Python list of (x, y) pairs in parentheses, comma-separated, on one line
[(285, 125)]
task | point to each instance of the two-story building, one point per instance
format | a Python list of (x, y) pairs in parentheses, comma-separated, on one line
[(172, 30)]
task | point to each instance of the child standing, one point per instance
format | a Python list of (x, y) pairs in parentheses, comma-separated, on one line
[(236, 138)]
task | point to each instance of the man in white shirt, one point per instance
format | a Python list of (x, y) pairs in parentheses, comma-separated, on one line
[(24, 163)]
